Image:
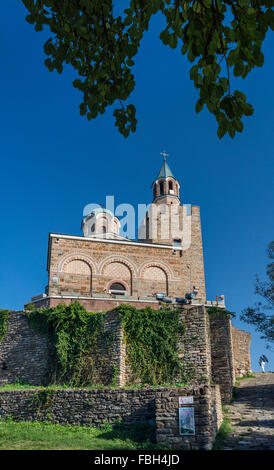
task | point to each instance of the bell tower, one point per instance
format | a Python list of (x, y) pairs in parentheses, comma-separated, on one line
[(163, 221), (166, 188), (169, 222)]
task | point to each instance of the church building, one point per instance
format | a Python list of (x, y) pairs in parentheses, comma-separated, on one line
[(102, 269)]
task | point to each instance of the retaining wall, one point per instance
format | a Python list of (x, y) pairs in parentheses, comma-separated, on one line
[(158, 408)]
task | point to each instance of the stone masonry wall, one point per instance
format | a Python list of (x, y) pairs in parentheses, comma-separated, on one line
[(222, 361), (211, 349), (107, 354), (155, 407), (23, 351), (207, 417), (195, 346), (194, 349), (241, 352), (89, 407)]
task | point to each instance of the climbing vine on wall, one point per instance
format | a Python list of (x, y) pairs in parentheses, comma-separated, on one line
[(42, 400), (152, 338), (219, 311), (72, 334), (4, 316)]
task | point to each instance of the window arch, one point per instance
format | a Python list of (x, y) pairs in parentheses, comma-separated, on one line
[(161, 188), (117, 288), (77, 266), (156, 280), (170, 185), (76, 278)]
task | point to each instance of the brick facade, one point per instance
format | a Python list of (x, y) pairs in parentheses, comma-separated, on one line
[(85, 268), (167, 258)]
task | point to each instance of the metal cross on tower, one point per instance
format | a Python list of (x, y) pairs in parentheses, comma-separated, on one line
[(164, 154)]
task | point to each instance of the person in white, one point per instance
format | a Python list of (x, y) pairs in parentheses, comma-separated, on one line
[(262, 365)]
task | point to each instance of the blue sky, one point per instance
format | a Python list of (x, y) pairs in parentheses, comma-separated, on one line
[(54, 162)]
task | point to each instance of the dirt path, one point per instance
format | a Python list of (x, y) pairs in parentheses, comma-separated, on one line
[(252, 414)]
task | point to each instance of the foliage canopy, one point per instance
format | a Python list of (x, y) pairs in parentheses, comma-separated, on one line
[(216, 36), (260, 315)]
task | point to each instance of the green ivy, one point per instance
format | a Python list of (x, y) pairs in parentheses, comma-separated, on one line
[(152, 338), (72, 335), (219, 311), (42, 400), (4, 316)]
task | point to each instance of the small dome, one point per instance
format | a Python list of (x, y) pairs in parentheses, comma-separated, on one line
[(100, 210), (100, 222)]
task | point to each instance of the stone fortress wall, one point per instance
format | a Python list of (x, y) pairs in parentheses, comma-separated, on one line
[(211, 347), (157, 408)]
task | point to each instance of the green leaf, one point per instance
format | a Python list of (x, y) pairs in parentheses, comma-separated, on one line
[(221, 132), (243, 3), (199, 106)]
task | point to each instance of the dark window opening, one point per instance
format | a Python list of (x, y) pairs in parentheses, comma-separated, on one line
[(161, 188), (170, 185), (117, 288), (147, 228)]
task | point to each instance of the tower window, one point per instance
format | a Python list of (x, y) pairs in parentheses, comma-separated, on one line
[(170, 185), (161, 188)]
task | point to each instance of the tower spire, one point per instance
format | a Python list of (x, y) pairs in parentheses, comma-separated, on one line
[(165, 186), (164, 155)]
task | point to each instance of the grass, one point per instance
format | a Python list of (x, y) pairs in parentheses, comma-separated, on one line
[(21, 385), (238, 383), (247, 376), (26, 435), (224, 431)]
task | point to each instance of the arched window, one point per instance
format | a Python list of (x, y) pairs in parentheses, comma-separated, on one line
[(170, 185), (147, 228), (161, 188), (117, 288)]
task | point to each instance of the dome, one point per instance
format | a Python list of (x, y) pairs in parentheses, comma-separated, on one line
[(100, 222)]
